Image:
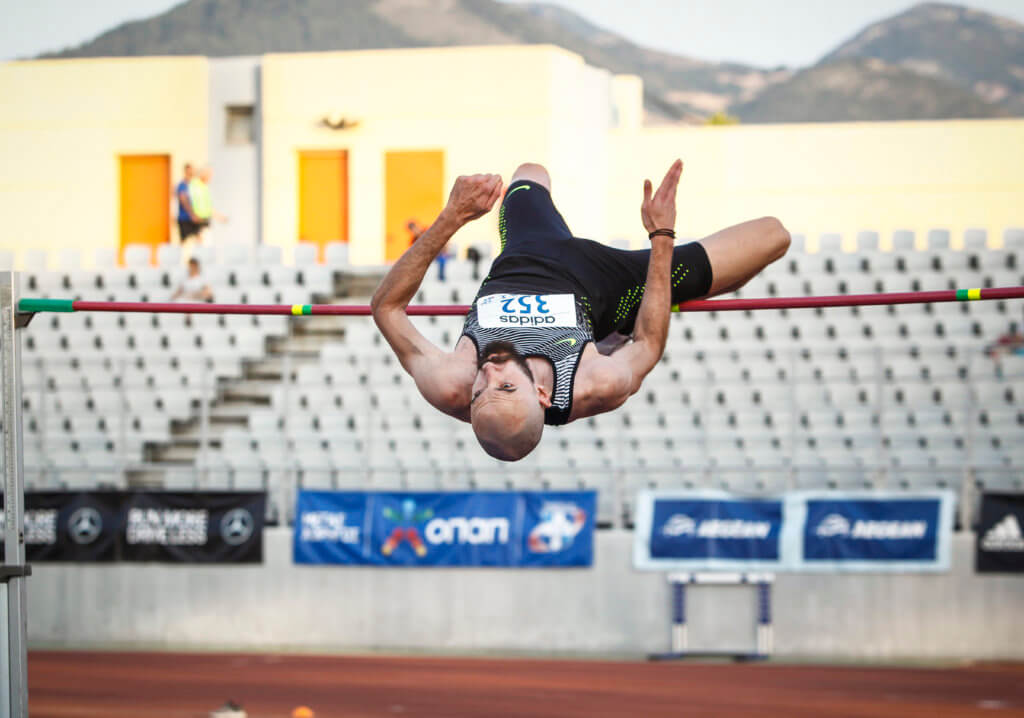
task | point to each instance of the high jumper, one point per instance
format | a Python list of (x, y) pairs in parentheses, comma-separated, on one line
[(562, 328)]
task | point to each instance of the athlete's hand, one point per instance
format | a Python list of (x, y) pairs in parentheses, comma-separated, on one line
[(473, 196), (659, 211)]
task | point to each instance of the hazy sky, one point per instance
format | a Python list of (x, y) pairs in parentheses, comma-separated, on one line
[(756, 32)]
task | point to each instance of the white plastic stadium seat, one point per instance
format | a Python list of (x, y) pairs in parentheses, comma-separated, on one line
[(168, 256), (137, 255), (268, 254), (975, 239), (234, 254), (34, 260), (336, 254), (903, 241), (867, 241), (938, 240), (305, 254)]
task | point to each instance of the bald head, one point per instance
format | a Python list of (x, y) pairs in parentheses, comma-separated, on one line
[(509, 431), (507, 409)]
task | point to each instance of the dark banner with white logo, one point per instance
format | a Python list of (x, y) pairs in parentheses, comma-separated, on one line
[(63, 526), (1001, 534), (542, 529), (797, 531), (193, 527), (143, 526)]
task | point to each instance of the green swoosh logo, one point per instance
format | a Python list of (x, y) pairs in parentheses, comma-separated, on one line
[(571, 340)]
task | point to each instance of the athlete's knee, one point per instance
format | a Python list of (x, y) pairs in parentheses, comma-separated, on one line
[(776, 237), (533, 172)]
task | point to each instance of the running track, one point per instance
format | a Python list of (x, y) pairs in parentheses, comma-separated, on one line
[(174, 685)]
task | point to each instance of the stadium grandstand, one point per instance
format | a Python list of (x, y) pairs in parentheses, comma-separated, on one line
[(753, 402)]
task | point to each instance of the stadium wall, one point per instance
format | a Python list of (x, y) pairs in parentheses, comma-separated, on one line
[(234, 186), (488, 109), (63, 126), (828, 177), (609, 608)]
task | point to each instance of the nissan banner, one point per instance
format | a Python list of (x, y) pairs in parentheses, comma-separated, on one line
[(797, 531), (445, 529), (707, 530), (1001, 534)]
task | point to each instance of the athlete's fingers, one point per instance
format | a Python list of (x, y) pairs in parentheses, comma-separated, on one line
[(671, 181), (647, 191), (495, 192)]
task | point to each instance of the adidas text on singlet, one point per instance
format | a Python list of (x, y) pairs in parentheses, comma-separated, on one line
[(551, 326)]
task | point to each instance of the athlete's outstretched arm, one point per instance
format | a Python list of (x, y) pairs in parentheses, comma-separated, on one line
[(605, 382), (471, 198)]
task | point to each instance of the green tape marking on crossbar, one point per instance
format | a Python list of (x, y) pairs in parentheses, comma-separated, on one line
[(966, 295), (299, 310), (46, 305)]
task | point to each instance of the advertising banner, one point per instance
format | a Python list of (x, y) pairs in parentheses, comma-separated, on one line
[(142, 526), (876, 532), (541, 529), (71, 526), (798, 531), (707, 530), (1000, 547), (208, 527)]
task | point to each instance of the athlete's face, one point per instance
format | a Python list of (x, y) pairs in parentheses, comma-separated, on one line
[(502, 376), (506, 411)]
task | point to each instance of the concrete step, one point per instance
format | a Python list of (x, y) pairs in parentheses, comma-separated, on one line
[(254, 392), (307, 345)]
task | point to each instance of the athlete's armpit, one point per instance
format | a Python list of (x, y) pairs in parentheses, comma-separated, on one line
[(445, 379), (603, 383)]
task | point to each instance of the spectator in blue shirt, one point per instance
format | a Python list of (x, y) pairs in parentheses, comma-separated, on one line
[(188, 223)]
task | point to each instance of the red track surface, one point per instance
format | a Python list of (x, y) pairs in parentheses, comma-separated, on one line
[(140, 685)]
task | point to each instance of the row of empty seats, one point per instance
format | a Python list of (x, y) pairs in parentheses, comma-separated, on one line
[(750, 401)]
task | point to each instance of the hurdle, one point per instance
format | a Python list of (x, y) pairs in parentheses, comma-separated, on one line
[(679, 636)]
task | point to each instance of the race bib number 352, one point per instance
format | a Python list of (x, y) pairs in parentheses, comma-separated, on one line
[(526, 310)]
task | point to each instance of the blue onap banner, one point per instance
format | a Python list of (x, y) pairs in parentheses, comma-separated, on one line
[(541, 529), (707, 530), (797, 531)]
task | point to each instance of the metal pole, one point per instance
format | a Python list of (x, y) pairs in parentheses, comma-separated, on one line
[(696, 305), (14, 679)]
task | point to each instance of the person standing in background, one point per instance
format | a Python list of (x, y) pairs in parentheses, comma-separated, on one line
[(188, 222), (202, 202)]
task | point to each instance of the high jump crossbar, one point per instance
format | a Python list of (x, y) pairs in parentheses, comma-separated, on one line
[(29, 306)]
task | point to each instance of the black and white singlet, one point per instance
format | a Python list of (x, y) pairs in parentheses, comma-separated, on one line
[(603, 285), (526, 321)]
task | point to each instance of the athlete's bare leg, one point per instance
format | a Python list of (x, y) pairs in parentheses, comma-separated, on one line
[(738, 253), (533, 172)]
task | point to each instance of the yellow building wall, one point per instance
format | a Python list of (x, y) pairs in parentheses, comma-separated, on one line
[(487, 109), (818, 178), (63, 124)]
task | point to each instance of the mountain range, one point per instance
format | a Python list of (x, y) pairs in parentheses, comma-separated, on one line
[(933, 61)]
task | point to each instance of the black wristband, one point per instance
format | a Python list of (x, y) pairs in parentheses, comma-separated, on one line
[(662, 233)]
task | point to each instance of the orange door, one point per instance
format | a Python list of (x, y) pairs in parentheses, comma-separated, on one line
[(145, 200), (414, 193), (323, 197)]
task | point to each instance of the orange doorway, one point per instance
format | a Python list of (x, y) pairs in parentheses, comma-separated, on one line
[(414, 184), (323, 197), (145, 193)]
